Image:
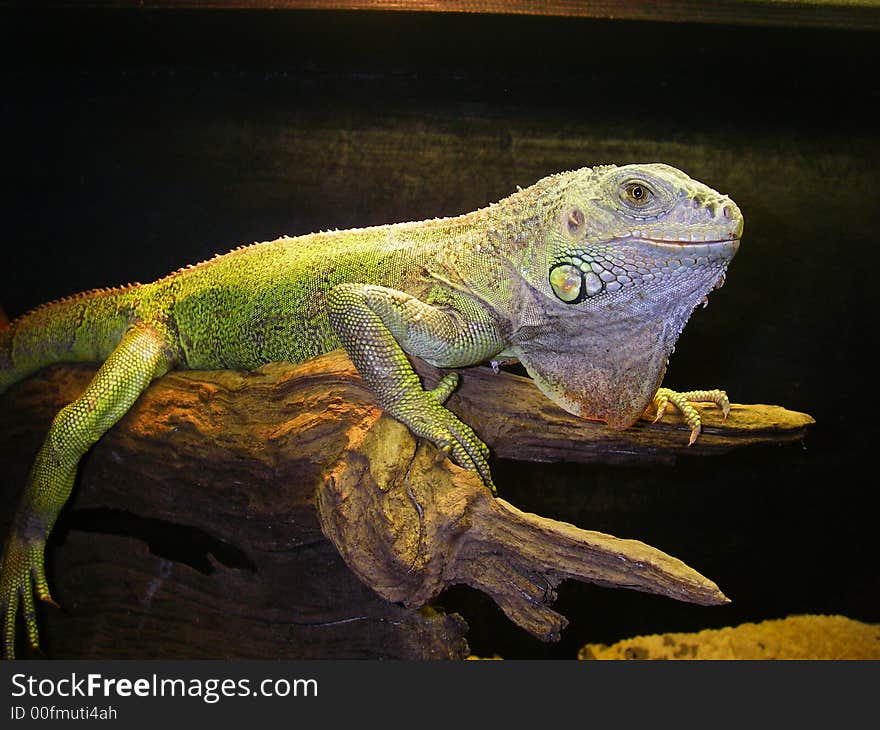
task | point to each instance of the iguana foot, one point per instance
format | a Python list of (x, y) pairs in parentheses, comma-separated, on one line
[(424, 414), (664, 396), (21, 575)]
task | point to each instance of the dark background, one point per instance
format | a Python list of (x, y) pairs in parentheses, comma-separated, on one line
[(138, 141)]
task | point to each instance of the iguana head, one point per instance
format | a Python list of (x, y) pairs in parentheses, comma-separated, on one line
[(625, 256)]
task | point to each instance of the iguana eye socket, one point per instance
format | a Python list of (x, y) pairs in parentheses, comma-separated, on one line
[(637, 193), (567, 283)]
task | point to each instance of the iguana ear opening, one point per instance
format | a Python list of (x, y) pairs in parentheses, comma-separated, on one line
[(575, 222)]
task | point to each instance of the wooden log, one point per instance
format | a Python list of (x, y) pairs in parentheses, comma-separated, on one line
[(199, 527)]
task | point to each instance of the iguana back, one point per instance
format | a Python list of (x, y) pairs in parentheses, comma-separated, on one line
[(261, 303)]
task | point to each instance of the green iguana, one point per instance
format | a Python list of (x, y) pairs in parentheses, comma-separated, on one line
[(587, 278)]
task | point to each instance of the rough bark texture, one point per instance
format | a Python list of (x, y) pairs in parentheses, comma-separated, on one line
[(200, 524)]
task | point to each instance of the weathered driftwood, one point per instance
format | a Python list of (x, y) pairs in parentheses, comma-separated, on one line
[(220, 489)]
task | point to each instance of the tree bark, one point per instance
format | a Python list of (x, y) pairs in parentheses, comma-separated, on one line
[(278, 513)]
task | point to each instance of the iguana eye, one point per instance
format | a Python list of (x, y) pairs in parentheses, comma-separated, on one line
[(637, 194), (567, 283)]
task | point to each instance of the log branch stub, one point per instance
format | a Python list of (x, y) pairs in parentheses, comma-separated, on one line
[(410, 527)]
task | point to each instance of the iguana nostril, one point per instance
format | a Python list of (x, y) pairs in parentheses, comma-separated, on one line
[(725, 211)]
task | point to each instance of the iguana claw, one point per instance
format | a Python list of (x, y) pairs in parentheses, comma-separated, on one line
[(664, 396), (466, 450)]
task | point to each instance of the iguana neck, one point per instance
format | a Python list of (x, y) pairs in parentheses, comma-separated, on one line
[(607, 364), (490, 249)]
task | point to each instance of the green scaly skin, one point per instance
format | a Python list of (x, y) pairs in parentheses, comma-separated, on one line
[(586, 277)]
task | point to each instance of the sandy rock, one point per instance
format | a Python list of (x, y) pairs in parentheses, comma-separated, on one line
[(795, 637)]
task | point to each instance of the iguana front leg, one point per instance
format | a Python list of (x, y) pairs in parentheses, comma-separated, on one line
[(377, 325), (664, 396), (141, 355)]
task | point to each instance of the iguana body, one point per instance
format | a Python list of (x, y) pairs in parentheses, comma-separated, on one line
[(586, 277)]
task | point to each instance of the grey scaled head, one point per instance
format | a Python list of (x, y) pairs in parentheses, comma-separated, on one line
[(627, 231), (625, 255)]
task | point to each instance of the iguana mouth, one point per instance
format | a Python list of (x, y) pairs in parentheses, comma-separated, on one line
[(680, 243), (712, 247)]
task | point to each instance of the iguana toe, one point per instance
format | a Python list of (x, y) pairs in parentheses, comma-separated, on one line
[(23, 577)]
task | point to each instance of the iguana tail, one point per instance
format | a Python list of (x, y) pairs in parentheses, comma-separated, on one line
[(81, 328)]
